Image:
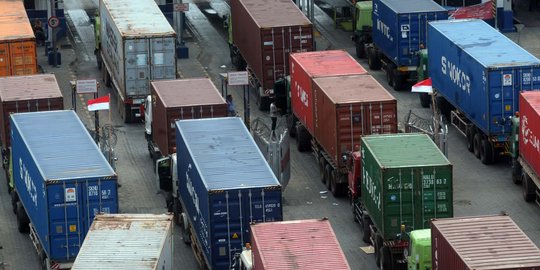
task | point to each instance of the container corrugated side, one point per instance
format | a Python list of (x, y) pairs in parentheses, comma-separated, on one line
[(400, 28), (406, 180), (309, 65), (481, 72), (529, 116), (290, 245), (27, 94), (266, 32), (349, 107), (182, 99), (60, 189), (226, 184), (128, 241), (483, 242)]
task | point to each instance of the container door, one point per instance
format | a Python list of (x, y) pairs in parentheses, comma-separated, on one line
[(23, 58), (137, 67), (163, 58), (433, 195), (66, 229), (228, 236), (100, 196), (4, 60)]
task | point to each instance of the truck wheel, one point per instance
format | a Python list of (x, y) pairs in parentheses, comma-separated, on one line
[(477, 144), (177, 212), (360, 52), (425, 100), (22, 219), (385, 258), (322, 165), (529, 189), (291, 125), (14, 200), (470, 139), (127, 114), (335, 187), (328, 175), (186, 235), (374, 62), (389, 76), (486, 151), (516, 171), (397, 80), (378, 248), (366, 237)]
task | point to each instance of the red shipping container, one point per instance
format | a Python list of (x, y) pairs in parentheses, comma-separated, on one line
[(349, 107), (266, 32), (529, 129), (30, 93), (182, 99), (307, 66), (300, 245), (484, 242)]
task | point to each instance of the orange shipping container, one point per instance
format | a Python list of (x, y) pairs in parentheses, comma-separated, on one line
[(17, 41)]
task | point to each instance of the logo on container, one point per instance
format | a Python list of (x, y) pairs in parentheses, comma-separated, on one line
[(27, 180), (384, 29), (371, 188), (527, 134), (302, 94), (70, 195), (456, 75)]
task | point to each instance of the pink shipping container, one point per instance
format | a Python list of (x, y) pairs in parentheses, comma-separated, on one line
[(529, 144), (481, 243), (266, 32), (310, 65), (300, 245)]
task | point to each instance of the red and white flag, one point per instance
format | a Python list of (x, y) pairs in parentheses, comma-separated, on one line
[(99, 104), (423, 87)]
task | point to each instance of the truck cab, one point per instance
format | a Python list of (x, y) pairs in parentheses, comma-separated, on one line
[(419, 252), (362, 26), (423, 73)]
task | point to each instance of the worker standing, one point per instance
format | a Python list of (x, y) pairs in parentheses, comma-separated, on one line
[(273, 115)]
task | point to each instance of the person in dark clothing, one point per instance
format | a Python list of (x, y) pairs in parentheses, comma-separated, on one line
[(273, 115), (39, 32)]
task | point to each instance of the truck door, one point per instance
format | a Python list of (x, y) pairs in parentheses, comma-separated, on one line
[(163, 64), (137, 67)]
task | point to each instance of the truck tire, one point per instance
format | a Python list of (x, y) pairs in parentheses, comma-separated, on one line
[(389, 72), (127, 114), (486, 151), (385, 259), (22, 219), (477, 144), (14, 200), (177, 212), (470, 139), (360, 52), (328, 175), (397, 80), (186, 234), (366, 232), (322, 165), (516, 171), (374, 61), (425, 100), (335, 187), (378, 248), (529, 188), (291, 125)]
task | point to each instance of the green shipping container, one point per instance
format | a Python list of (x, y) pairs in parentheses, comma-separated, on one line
[(405, 180)]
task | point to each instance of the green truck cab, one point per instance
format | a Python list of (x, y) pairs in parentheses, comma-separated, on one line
[(97, 34), (419, 251), (362, 27), (423, 73)]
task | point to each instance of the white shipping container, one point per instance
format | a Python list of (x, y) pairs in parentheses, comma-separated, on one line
[(128, 241), (138, 45)]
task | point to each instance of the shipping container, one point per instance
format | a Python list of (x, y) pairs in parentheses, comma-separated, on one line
[(309, 65), (27, 94), (300, 244), (400, 28), (225, 184), (529, 144), (62, 179), (138, 45), (17, 41), (406, 180), (480, 72), (182, 99), (266, 32), (483, 242), (128, 241), (349, 107)]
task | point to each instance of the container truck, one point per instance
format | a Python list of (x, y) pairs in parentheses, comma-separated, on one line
[(484, 242), (25, 94), (525, 146), (17, 40), (128, 241), (261, 36), (334, 111), (224, 185), (290, 245), (62, 180), (399, 31), (405, 182), (135, 45), (478, 74)]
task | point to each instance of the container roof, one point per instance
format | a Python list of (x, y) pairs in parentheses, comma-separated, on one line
[(489, 242), (404, 150), (138, 18), (484, 43), (533, 98), (413, 6), (29, 87), (225, 154), (125, 241), (328, 63), (14, 22), (187, 92), (353, 88), (290, 245), (275, 13), (61, 145)]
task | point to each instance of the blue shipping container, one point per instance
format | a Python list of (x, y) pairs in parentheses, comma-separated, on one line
[(400, 27), (62, 179), (480, 72), (224, 185)]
